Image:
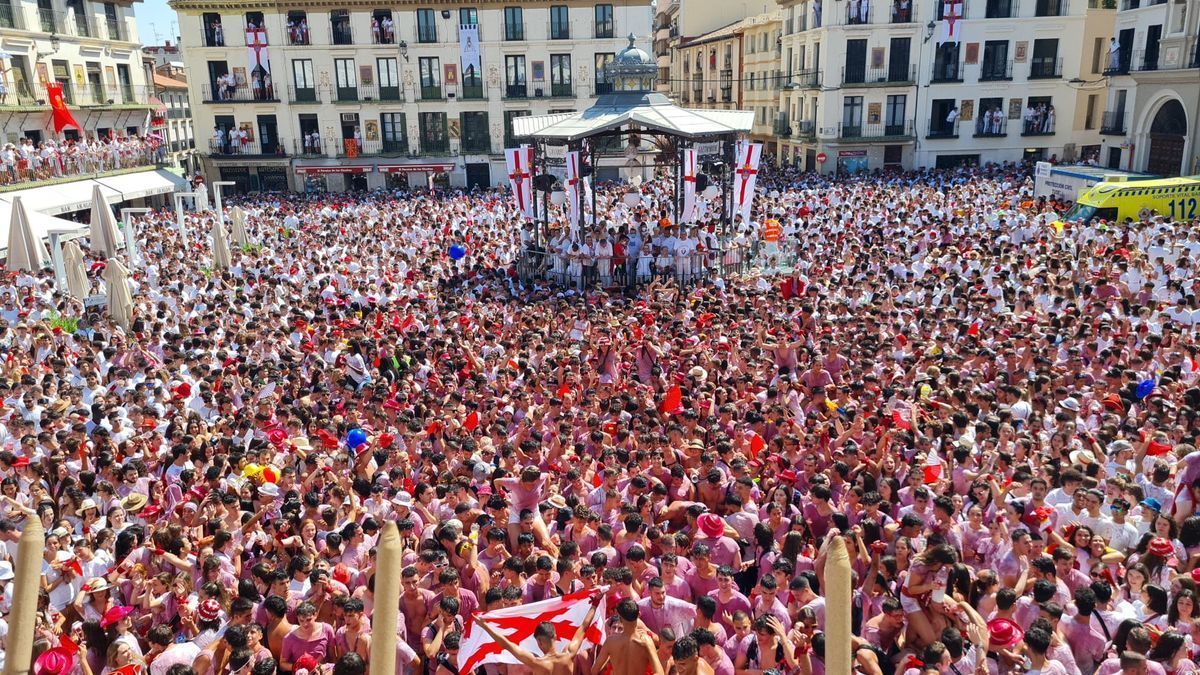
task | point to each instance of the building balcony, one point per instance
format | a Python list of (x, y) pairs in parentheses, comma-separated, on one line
[(995, 71), (432, 92), (872, 77), (516, 91), (473, 91), (367, 93), (562, 90), (341, 34), (809, 79), (1037, 127), (10, 18), (946, 71), (302, 95), (225, 149), (1112, 123), (940, 128), (1147, 59), (877, 131), (806, 129), (1048, 68), (514, 32), (782, 127), (212, 93), (988, 126), (96, 95)]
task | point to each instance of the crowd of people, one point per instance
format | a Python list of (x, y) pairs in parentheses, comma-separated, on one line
[(996, 414), (27, 161)]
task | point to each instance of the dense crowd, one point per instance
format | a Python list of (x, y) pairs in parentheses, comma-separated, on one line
[(997, 414), (27, 161)]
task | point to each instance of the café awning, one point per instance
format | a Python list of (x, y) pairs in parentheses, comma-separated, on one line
[(314, 170), (415, 168)]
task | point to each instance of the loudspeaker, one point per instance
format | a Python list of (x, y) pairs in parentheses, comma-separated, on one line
[(701, 182), (585, 170), (543, 182)]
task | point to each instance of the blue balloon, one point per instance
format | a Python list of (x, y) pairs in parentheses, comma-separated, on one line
[(457, 251), (1144, 388), (355, 438)]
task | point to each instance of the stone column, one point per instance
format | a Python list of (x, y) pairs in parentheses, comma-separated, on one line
[(23, 618), (384, 621), (838, 656)]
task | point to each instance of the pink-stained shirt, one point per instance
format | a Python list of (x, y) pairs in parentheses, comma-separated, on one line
[(1086, 640)]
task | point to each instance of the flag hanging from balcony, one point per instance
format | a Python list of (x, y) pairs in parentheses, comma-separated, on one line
[(745, 173), (952, 16), (689, 186), (518, 624), (468, 51), (256, 46), (518, 161), (573, 191), (60, 114)]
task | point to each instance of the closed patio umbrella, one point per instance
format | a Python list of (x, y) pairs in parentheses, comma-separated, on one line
[(238, 234), (26, 252), (77, 279), (120, 300), (220, 246), (103, 233)]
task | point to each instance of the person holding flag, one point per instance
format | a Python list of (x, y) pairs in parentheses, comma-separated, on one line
[(551, 661)]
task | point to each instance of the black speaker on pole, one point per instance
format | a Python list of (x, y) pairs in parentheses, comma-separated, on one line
[(543, 182), (701, 182)]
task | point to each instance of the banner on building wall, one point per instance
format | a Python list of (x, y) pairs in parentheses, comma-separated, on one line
[(468, 51), (952, 16), (256, 46)]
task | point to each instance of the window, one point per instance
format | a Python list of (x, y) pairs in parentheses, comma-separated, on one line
[(895, 111), (509, 116), (946, 66), (560, 74), (254, 21), (898, 55), (1089, 121), (560, 24), (468, 16), (114, 22), (472, 83), (433, 132), (304, 86), (1097, 54), (214, 31), (990, 119), (995, 61), (346, 79), (514, 23), (426, 26), (514, 76), (852, 116), (388, 72), (395, 132), (1038, 118), (603, 84), (297, 28), (604, 21), (476, 137), (1050, 7), (429, 69), (339, 27), (1045, 63), (943, 118), (383, 30), (856, 62), (1001, 9)]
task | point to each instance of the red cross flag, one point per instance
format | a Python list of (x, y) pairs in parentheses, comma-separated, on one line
[(566, 613), (520, 178), (952, 16), (256, 46), (689, 186), (745, 171), (573, 191)]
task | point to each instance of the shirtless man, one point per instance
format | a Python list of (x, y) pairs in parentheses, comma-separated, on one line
[(551, 661), (686, 654), (632, 651), (416, 603)]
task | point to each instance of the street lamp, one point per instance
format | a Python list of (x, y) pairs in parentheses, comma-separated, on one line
[(404, 49), (217, 197), (131, 250), (179, 214)]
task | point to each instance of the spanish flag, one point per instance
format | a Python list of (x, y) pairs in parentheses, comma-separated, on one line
[(60, 113)]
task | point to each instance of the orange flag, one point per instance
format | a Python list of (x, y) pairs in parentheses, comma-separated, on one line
[(672, 401)]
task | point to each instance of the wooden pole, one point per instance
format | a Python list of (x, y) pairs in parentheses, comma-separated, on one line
[(25, 585), (384, 622), (837, 609)]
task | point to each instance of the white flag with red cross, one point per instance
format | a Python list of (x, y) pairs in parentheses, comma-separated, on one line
[(952, 16), (518, 162), (518, 624), (574, 191), (689, 185), (745, 171)]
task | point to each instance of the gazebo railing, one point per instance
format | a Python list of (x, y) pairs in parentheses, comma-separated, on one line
[(585, 273)]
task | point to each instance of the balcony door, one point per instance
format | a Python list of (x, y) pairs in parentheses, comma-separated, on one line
[(346, 79)]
